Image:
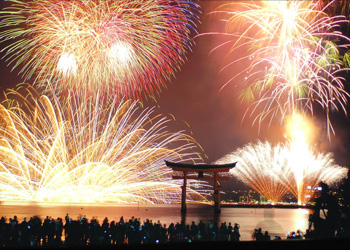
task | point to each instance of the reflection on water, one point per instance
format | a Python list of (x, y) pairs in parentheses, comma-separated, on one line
[(269, 224), (278, 221)]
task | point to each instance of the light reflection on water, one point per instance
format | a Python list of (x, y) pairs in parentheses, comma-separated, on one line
[(278, 221)]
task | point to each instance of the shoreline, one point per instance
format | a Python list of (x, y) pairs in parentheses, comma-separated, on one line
[(223, 205), (133, 205)]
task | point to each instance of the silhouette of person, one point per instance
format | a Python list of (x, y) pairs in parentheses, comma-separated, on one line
[(267, 236)]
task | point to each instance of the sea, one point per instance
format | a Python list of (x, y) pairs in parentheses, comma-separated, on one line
[(277, 221)]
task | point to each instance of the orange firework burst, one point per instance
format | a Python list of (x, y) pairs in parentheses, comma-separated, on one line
[(76, 150), (274, 170)]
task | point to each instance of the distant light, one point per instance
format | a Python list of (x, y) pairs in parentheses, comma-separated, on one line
[(67, 64), (308, 187), (121, 52)]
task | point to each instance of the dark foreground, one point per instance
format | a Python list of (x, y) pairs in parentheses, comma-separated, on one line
[(330, 244)]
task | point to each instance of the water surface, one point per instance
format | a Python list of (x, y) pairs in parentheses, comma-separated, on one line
[(277, 221)]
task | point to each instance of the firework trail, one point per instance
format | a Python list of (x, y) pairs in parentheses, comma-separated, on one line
[(292, 62), (274, 170), (79, 151), (124, 47)]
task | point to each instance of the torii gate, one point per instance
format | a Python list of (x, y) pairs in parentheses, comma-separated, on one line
[(200, 169)]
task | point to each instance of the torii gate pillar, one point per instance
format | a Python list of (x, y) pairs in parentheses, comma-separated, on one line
[(183, 197), (217, 201)]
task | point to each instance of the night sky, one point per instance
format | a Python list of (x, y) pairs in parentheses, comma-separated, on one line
[(197, 97)]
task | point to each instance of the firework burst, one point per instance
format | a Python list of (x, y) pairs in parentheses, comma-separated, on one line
[(79, 151), (274, 170), (125, 47), (292, 62), (258, 166)]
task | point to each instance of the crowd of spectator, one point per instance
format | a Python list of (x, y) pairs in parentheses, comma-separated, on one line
[(80, 232)]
